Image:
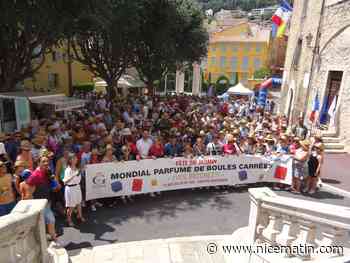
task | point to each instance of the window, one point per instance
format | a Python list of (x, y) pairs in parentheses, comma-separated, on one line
[(235, 48), (244, 76), (53, 80), (222, 62), (234, 63), (304, 13), (55, 56), (213, 61), (245, 63), (223, 48), (297, 54), (258, 48), (257, 63), (233, 77)]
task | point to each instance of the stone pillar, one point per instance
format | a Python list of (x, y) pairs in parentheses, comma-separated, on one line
[(256, 196), (180, 82), (196, 83), (22, 233)]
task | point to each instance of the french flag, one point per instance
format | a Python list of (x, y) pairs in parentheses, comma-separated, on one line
[(315, 108), (281, 18)]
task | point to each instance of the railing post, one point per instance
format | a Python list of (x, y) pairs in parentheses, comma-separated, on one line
[(256, 196)]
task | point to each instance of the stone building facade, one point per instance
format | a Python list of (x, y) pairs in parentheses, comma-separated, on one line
[(318, 62)]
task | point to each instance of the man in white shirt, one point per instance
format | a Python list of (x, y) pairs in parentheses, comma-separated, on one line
[(144, 144)]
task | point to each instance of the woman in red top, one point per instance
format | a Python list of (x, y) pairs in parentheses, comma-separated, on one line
[(157, 149)]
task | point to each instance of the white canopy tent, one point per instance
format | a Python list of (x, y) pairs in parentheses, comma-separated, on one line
[(125, 81), (239, 89)]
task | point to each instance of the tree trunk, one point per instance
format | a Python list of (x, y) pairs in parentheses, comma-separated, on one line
[(110, 89), (69, 68)]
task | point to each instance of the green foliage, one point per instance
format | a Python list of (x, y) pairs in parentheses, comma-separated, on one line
[(222, 84), (171, 33), (246, 5), (28, 30), (105, 37), (262, 73), (84, 87)]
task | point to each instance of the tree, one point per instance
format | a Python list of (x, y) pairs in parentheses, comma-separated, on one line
[(28, 29), (170, 35), (262, 73), (222, 84), (104, 41)]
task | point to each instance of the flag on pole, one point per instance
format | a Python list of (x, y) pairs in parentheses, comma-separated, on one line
[(331, 111), (315, 108), (281, 18)]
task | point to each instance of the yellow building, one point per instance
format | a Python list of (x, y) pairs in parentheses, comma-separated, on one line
[(238, 51), (53, 76)]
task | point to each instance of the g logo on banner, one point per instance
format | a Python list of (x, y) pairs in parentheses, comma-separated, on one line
[(99, 180)]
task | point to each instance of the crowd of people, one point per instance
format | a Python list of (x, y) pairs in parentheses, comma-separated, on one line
[(48, 158)]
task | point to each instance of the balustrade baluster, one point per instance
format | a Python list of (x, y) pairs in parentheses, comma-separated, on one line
[(289, 231), (306, 239), (274, 227)]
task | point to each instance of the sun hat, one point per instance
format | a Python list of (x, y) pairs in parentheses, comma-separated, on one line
[(305, 143), (25, 145), (269, 138), (20, 163)]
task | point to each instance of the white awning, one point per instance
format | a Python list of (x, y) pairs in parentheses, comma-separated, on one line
[(125, 81), (60, 102), (239, 89)]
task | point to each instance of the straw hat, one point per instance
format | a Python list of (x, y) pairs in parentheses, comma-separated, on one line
[(235, 132), (3, 137), (305, 143), (25, 145), (251, 136), (269, 138), (46, 153), (38, 140), (109, 147), (243, 122), (21, 163)]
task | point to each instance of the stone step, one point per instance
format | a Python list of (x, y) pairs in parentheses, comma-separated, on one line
[(329, 134), (172, 250), (331, 139), (334, 146), (336, 151)]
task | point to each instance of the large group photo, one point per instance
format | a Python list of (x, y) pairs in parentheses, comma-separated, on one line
[(61, 158)]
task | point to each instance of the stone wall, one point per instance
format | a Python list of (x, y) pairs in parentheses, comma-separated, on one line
[(22, 234), (304, 22), (335, 55)]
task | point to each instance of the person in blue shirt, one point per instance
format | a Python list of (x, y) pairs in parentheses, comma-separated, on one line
[(173, 148), (12, 146)]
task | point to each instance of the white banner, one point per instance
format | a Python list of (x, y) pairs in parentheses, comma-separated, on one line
[(146, 176)]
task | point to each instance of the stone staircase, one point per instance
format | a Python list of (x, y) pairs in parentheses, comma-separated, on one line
[(333, 143), (274, 221), (173, 250)]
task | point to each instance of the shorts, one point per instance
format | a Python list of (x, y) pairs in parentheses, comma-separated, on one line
[(49, 216), (6, 208)]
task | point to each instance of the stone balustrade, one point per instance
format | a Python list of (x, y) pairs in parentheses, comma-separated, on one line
[(23, 236), (282, 221)]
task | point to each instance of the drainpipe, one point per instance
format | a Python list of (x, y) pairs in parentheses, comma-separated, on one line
[(315, 50)]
